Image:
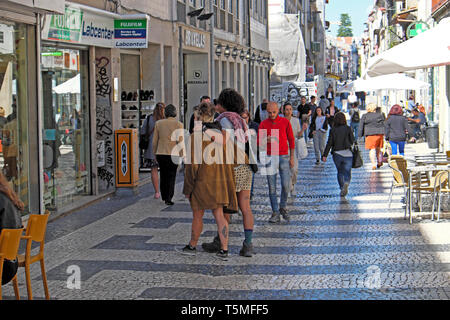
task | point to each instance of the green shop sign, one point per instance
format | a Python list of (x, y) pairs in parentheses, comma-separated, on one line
[(89, 28), (417, 28)]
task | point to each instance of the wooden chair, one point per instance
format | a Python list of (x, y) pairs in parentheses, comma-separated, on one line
[(437, 183), (399, 166), (9, 247), (35, 231)]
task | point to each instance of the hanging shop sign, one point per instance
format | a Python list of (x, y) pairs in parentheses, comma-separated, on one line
[(81, 26), (130, 33), (416, 28)]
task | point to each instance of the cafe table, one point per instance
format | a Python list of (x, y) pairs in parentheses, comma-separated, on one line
[(418, 170)]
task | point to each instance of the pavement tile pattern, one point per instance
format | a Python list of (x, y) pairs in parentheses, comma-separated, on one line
[(333, 248)]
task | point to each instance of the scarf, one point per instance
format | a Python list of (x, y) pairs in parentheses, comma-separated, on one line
[(239, 125)]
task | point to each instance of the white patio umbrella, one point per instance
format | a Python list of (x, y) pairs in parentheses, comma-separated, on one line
[(386, 82), (428, 49), (70, 86)]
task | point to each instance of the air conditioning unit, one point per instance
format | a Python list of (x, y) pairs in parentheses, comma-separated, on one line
[(315, 47)]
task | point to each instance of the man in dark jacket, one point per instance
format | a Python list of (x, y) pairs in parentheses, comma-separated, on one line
[(191, 121)]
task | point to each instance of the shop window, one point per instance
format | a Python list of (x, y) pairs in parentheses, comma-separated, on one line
[(66, 138), (14, 143)]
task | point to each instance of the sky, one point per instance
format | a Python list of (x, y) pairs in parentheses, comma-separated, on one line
[(357, 9)]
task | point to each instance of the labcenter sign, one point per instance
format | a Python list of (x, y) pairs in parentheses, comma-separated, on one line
[(85, 27)]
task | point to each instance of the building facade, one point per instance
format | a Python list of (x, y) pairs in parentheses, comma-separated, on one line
[(75, 72)]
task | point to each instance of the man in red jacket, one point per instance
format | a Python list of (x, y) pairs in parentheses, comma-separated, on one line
[(275, 139)]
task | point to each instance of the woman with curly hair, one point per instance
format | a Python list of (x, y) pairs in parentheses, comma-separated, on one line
[(231, 105)]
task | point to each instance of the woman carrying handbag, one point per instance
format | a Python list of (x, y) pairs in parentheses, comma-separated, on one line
[(340, 144)]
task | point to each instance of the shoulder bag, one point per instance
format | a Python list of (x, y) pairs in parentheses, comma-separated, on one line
[(357, 158), (144, 139)]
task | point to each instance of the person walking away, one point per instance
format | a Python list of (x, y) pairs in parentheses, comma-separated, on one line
[(231, 105), (397, 130), (191, 121), (261, 112), (298, 132), (355, 118), (207, 184), (331, 112), (276, 140), (372, 128), (344, 99), (10, 218), (330, 93), (319, 132), (148, 128), (340, 142), (253, 128), (163, 147)]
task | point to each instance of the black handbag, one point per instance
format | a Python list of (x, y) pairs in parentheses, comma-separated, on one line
[(144, 139), (357, 158)]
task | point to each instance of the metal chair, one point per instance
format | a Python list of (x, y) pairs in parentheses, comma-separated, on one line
[(35, 231), (9, 247)]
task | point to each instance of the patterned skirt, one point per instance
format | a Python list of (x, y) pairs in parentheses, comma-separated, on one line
[(243, 175)]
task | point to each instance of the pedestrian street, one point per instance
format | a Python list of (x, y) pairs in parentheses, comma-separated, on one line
[(333, 248)]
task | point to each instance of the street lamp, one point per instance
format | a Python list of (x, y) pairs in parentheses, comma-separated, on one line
[(227, 52), (219, 50), (235, 53), (248, 55), (242, 54)]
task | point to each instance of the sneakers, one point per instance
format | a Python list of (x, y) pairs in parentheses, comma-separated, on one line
[(285, 214), (212, 247), (188, 250), (222, 255), (275, 218), (247, 250), (344, 190)]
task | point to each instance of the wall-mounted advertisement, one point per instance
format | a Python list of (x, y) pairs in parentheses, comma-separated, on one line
[(81, 26)]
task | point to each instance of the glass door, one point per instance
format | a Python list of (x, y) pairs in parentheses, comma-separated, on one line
[(66, 136)]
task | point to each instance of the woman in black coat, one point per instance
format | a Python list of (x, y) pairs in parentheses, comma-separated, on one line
[(340, 142)]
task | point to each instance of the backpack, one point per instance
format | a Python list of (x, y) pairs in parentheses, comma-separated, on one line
[(355, 117)]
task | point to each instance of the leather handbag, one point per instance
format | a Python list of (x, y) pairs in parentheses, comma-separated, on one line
[(357, 158)]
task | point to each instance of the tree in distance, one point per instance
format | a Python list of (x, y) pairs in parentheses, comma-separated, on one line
[(345, 29)]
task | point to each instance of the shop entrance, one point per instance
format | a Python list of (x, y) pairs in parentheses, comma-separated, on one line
[(66, 139), (196, 75)]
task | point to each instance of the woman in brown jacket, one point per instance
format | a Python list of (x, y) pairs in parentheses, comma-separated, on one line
[(209, 185)]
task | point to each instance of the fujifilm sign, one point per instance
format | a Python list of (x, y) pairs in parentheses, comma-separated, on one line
[(194, 39)]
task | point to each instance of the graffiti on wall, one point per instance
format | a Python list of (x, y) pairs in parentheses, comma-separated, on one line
[(104, 128)]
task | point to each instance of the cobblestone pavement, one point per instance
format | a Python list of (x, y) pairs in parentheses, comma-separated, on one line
[(332, 249)]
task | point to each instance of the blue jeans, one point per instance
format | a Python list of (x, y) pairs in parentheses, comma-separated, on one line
[(355, 127), (285, 174), (344, 169), (400, 145)]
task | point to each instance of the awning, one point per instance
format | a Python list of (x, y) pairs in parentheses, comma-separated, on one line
[(70, 86), (428, 49), (386, 82)]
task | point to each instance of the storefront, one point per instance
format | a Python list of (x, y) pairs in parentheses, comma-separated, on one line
[(15, 48), (195, 69), (81, 85)]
